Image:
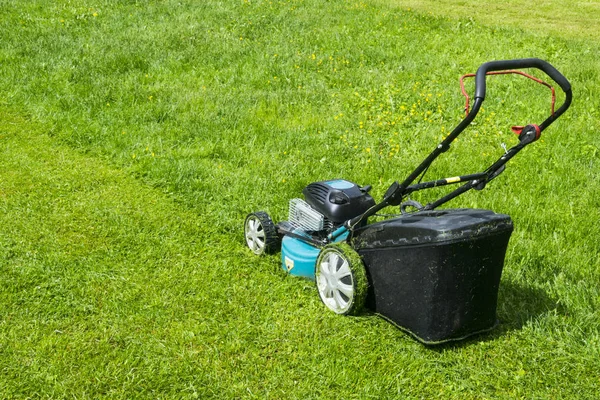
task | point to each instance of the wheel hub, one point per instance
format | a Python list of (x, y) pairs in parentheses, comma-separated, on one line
[(255, 235), (336, 294)]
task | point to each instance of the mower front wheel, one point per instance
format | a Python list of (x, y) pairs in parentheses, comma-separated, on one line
[(260, 233), (341, 279)]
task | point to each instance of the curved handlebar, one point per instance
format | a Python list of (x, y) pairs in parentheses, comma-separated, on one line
[(518, 64), (397, 191)]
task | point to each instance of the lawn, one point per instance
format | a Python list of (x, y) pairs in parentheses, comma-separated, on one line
[(573, 19), (136, 136)]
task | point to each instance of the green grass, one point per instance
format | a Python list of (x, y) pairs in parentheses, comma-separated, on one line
[(574, 19), (134, 139)]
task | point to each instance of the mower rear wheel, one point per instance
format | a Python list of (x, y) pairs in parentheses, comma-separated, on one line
[(261, 234), (341, 279)]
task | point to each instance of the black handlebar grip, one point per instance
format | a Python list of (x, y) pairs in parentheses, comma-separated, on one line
[(518, 64)]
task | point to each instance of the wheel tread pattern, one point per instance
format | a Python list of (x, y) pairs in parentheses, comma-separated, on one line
[(272, 239)]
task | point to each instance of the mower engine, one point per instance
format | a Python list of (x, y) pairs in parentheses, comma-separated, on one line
[(326, 206)]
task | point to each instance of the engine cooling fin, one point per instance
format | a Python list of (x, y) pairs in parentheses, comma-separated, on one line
[(307, 218)]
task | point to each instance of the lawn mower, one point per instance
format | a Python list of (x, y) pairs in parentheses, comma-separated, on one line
[(433, 273)]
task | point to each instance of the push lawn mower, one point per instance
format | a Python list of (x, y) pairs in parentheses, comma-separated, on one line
[(433, 273)]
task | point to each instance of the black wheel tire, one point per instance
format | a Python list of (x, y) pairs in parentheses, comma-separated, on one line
[(341, 279), (260, 233)]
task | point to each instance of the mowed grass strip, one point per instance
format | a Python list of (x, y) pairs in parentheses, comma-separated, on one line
[(574, 19), (110, 288), (168, 122)]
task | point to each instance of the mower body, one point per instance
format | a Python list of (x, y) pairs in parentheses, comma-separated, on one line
[(299, 257), (434, 273)]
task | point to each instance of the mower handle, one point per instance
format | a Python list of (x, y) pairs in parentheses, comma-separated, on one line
[(518, 64), (397, 191)]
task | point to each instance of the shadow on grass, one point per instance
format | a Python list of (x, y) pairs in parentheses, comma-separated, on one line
[(517, 305)]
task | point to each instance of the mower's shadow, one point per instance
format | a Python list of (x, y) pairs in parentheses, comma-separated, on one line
[(517, 305)]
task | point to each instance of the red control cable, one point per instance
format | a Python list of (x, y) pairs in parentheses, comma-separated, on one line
[(511, 71)]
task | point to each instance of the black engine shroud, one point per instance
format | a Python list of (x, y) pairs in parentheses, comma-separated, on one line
[(338, 200)]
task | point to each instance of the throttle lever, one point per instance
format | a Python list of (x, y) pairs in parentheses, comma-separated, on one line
[(527, 134)]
